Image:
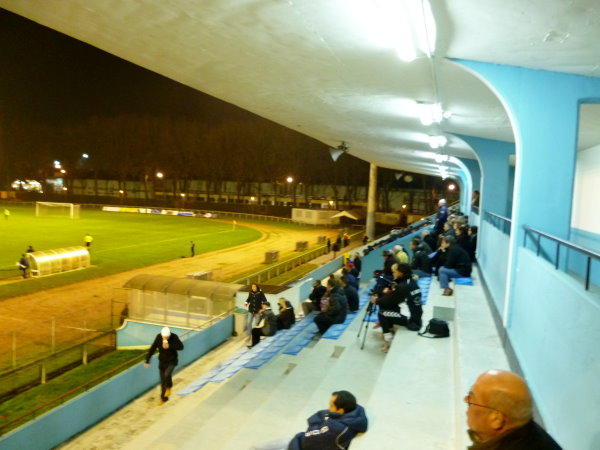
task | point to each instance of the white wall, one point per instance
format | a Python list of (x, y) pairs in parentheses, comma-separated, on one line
[(586, 214)]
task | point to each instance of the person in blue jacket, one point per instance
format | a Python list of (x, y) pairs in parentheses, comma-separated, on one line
[(328, 429), (333, 428)]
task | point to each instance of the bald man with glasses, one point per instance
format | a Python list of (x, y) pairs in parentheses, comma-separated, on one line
[(500, 415)]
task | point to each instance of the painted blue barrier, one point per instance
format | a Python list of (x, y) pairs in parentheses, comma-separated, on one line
[(83, 411)]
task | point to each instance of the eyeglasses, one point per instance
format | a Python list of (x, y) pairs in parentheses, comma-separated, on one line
[(468, 401)]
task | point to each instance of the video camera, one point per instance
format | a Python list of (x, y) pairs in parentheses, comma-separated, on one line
[(382, 282)]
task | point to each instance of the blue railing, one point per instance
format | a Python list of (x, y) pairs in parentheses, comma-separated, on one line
[(537, 235), (500, 222)]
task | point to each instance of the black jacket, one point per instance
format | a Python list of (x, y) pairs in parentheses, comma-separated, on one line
[(357, 264), (455, 257), (406, 290), (331, 431), (286, 318), (268, 320), (421, 260), (431, 241), (255, 301), (464, 241), (316, 295), (351, 297), (338, 305), (168, 356), (528, 437)]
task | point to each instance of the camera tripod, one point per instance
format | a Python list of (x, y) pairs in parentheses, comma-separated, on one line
[(366, 321)]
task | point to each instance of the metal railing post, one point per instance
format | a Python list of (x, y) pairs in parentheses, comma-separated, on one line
[(587, 273), (53, 331), (14, 349)]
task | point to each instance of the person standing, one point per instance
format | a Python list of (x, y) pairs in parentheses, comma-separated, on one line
[(254, 302), (6, 214), (30, 249), (88, 240), (23, 265), (167, 344), (328, 245), (441, 217), (193, 248)]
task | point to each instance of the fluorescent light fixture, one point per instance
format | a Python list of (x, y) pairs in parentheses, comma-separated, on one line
[(397, 21), (441, 158), (437, 141), (429, 113)]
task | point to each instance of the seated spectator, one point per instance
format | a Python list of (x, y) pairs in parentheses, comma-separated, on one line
[(388, 261), (406, 290), (350, 277), (314, 299), (266, 326), (455, 263), (473, 236), (463, 239), (500, 414), (351, 295), (449, 229), (421, 263), (429, 239), (286, 317), (400, 254), (328, 429), (335, 309)]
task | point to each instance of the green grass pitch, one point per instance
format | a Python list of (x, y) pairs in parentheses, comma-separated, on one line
[(122, 241)]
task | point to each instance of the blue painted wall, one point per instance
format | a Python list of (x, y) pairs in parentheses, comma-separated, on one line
[(80, 413), (555, 334), (493, 261)]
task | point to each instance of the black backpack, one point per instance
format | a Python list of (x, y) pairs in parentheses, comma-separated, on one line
[(438, 328)]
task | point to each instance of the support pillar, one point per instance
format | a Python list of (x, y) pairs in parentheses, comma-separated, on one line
[(372, 201)]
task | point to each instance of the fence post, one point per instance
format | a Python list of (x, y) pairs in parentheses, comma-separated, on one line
[(84, 359), (53, 334), (43, 372), (14, 349)]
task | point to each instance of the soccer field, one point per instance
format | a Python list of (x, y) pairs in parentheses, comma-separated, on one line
[(122, 241)]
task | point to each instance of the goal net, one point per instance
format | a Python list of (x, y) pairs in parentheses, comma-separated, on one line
[(57, 209)]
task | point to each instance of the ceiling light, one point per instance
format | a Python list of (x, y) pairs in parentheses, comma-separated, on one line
[(441, 158), (437, 141), (429, 113)]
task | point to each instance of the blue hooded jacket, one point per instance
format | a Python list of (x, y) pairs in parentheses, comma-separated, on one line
[(331, 431)]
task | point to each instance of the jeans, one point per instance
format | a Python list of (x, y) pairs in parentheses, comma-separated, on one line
[(251, 319), (166, 380), (445, 274), (421, 273)]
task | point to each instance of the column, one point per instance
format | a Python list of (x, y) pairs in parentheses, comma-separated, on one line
[(372, 201)]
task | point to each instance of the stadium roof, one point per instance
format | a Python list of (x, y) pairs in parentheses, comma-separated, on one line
[(329, 69)]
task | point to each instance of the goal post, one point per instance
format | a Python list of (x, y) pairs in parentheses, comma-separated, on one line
[(57, 209)]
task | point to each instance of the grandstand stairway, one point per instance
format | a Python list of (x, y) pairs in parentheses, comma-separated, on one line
[(412, 395)]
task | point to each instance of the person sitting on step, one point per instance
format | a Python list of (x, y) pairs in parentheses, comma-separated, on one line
[(455, 263)]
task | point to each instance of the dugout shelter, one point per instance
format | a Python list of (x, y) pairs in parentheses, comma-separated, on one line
[(178, 302), (49, 262)]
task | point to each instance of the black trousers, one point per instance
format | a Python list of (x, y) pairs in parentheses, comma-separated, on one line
[(256, 334), (415, 322), (387, 319), (166, 381)]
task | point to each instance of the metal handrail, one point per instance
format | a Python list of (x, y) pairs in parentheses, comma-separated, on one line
[(495, 219), (589, 253)]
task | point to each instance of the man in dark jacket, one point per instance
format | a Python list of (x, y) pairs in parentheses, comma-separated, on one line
[(336, 309), (456, 262), (421, 263), (351, 295), (333, 428), (406, 290), (267, 324), (441, 217), (500, 414), (167, 344), (429, 239), (314, 299)]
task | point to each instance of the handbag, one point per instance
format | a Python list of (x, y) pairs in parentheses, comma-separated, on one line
[(436, 327)]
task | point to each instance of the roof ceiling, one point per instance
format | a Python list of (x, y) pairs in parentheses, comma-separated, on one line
[(327, 68)]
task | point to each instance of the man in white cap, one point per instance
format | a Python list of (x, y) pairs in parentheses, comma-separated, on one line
[(167, 344)]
